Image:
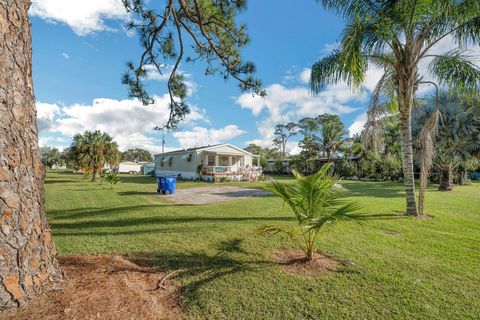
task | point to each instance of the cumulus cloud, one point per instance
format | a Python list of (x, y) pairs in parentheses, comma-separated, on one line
[(83, 16), (128, 121), (357, 124), (282, 103), (200, 136), (45, 115), (65, 55), (305, 75)]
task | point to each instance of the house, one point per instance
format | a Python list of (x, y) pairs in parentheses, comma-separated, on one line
[(273, 166), (209, 163), (129, 167), (148, 169)]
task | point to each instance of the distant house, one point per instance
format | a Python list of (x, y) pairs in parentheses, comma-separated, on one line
[(209, 163), (272, 163), (148, 169)]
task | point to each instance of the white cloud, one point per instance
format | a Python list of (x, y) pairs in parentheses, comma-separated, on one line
[(128, 121), (305, 75), (357, 125), (65, 55), (200, 136), (83, 16), (45, 115), (283, 104)]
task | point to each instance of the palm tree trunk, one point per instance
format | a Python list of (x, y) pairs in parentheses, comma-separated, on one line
[(407, 153), (94, 175), (463, 177), (445, 178), (27, 251)]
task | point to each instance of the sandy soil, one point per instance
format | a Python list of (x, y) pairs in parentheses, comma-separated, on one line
[(104, 287)]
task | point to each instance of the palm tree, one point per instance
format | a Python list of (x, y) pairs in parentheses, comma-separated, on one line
[(397, 36), (458, 135), (332, 133), (316, 202), (93, 149)]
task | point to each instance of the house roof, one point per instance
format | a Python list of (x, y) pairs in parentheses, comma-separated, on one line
[(196, 149), (130, 163)]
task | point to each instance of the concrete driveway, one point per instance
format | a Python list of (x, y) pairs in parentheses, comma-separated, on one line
[(214, 194)]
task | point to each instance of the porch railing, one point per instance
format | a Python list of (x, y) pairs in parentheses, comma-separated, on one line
[(231, 170)]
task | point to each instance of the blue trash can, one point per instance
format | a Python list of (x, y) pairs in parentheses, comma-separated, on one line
[(166, 184)]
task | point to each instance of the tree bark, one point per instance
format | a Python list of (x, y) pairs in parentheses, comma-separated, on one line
[(445, 178), (463, 177), (405, 101), (27, 252)]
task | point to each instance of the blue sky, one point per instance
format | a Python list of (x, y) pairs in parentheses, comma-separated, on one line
[(79, 53)]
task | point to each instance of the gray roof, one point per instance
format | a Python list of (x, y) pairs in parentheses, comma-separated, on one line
[(189, 149)]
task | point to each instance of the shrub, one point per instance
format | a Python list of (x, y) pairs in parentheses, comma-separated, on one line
[(345, 169), (112, 178), (390, 167), (316, 202)]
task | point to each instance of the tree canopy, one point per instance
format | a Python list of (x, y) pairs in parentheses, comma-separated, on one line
[(188, 31), (396, 36), (137, 155)]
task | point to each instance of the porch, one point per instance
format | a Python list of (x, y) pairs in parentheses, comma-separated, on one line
[(230, 166)]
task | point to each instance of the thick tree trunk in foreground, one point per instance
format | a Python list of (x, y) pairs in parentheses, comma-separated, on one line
[(407, 153), (445, 183), (27, 252)]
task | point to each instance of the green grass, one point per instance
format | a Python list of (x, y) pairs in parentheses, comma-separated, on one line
[(404, 268)]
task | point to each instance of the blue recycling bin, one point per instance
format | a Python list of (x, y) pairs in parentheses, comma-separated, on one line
[(166, 184)]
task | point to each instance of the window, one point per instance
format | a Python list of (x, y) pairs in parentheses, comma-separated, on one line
[(210, 160)]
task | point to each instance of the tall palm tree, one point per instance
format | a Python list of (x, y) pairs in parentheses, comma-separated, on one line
[(397, 36), (93, 149), (458, 136)]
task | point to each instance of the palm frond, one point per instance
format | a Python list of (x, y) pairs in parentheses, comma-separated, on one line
[(456, 70), (326, 71)]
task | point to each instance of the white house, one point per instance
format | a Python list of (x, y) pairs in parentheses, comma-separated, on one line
[(222, 161)]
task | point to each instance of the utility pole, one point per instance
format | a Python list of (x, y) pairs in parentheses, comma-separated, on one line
[(163, 136), (163, 139)]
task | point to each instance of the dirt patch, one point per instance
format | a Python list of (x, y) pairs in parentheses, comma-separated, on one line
[(104, 287), (214, 194), (293, 261)]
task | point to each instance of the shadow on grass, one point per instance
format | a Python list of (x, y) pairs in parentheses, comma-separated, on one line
[(52, 181), (199, 269), (138, 193), (138, 179), (106, 211), (160, 220), (374, 189)]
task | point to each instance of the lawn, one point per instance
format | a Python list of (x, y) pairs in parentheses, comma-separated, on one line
[(401, 267)]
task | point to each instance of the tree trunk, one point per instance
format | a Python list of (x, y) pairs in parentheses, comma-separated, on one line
[(27, 252), (463, 177), (405, 101), (94, 175), (445, 178)]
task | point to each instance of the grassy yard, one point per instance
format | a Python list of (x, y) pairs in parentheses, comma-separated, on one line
[(404, 268)]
